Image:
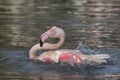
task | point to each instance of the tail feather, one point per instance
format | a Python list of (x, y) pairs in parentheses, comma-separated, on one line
[(98, 58)]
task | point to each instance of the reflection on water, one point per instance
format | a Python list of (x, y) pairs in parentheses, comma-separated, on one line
[(92, 22)]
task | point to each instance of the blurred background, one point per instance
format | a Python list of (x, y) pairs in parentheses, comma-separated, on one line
[(95, 23), (92, 22)]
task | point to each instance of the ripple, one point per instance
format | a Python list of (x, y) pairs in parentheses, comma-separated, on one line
[(2, 59)]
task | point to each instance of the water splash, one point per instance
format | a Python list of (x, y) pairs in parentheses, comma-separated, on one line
[(86, 50)]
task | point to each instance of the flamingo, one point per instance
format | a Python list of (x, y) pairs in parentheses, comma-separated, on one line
[(64, 55)]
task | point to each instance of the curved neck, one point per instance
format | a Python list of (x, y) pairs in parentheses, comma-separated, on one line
[(33, 50), (57, 45), (46, 46)]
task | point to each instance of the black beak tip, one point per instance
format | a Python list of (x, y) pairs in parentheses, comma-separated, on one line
[(41, 43)]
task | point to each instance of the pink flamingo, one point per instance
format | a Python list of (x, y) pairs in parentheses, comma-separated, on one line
[(64, 55)]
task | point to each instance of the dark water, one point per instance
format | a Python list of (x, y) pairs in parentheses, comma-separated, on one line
[(94, 23)]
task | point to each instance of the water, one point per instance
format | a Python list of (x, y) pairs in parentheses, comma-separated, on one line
[(94, 23)]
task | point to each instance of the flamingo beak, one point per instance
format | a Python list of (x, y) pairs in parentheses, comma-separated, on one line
[(44, 37), (41, 43)]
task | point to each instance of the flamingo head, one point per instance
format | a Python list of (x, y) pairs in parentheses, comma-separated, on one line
[(53, 32)]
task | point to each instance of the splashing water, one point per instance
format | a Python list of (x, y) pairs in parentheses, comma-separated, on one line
[(86, 50)]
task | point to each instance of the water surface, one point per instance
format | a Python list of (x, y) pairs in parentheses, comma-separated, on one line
[(94, 23)]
